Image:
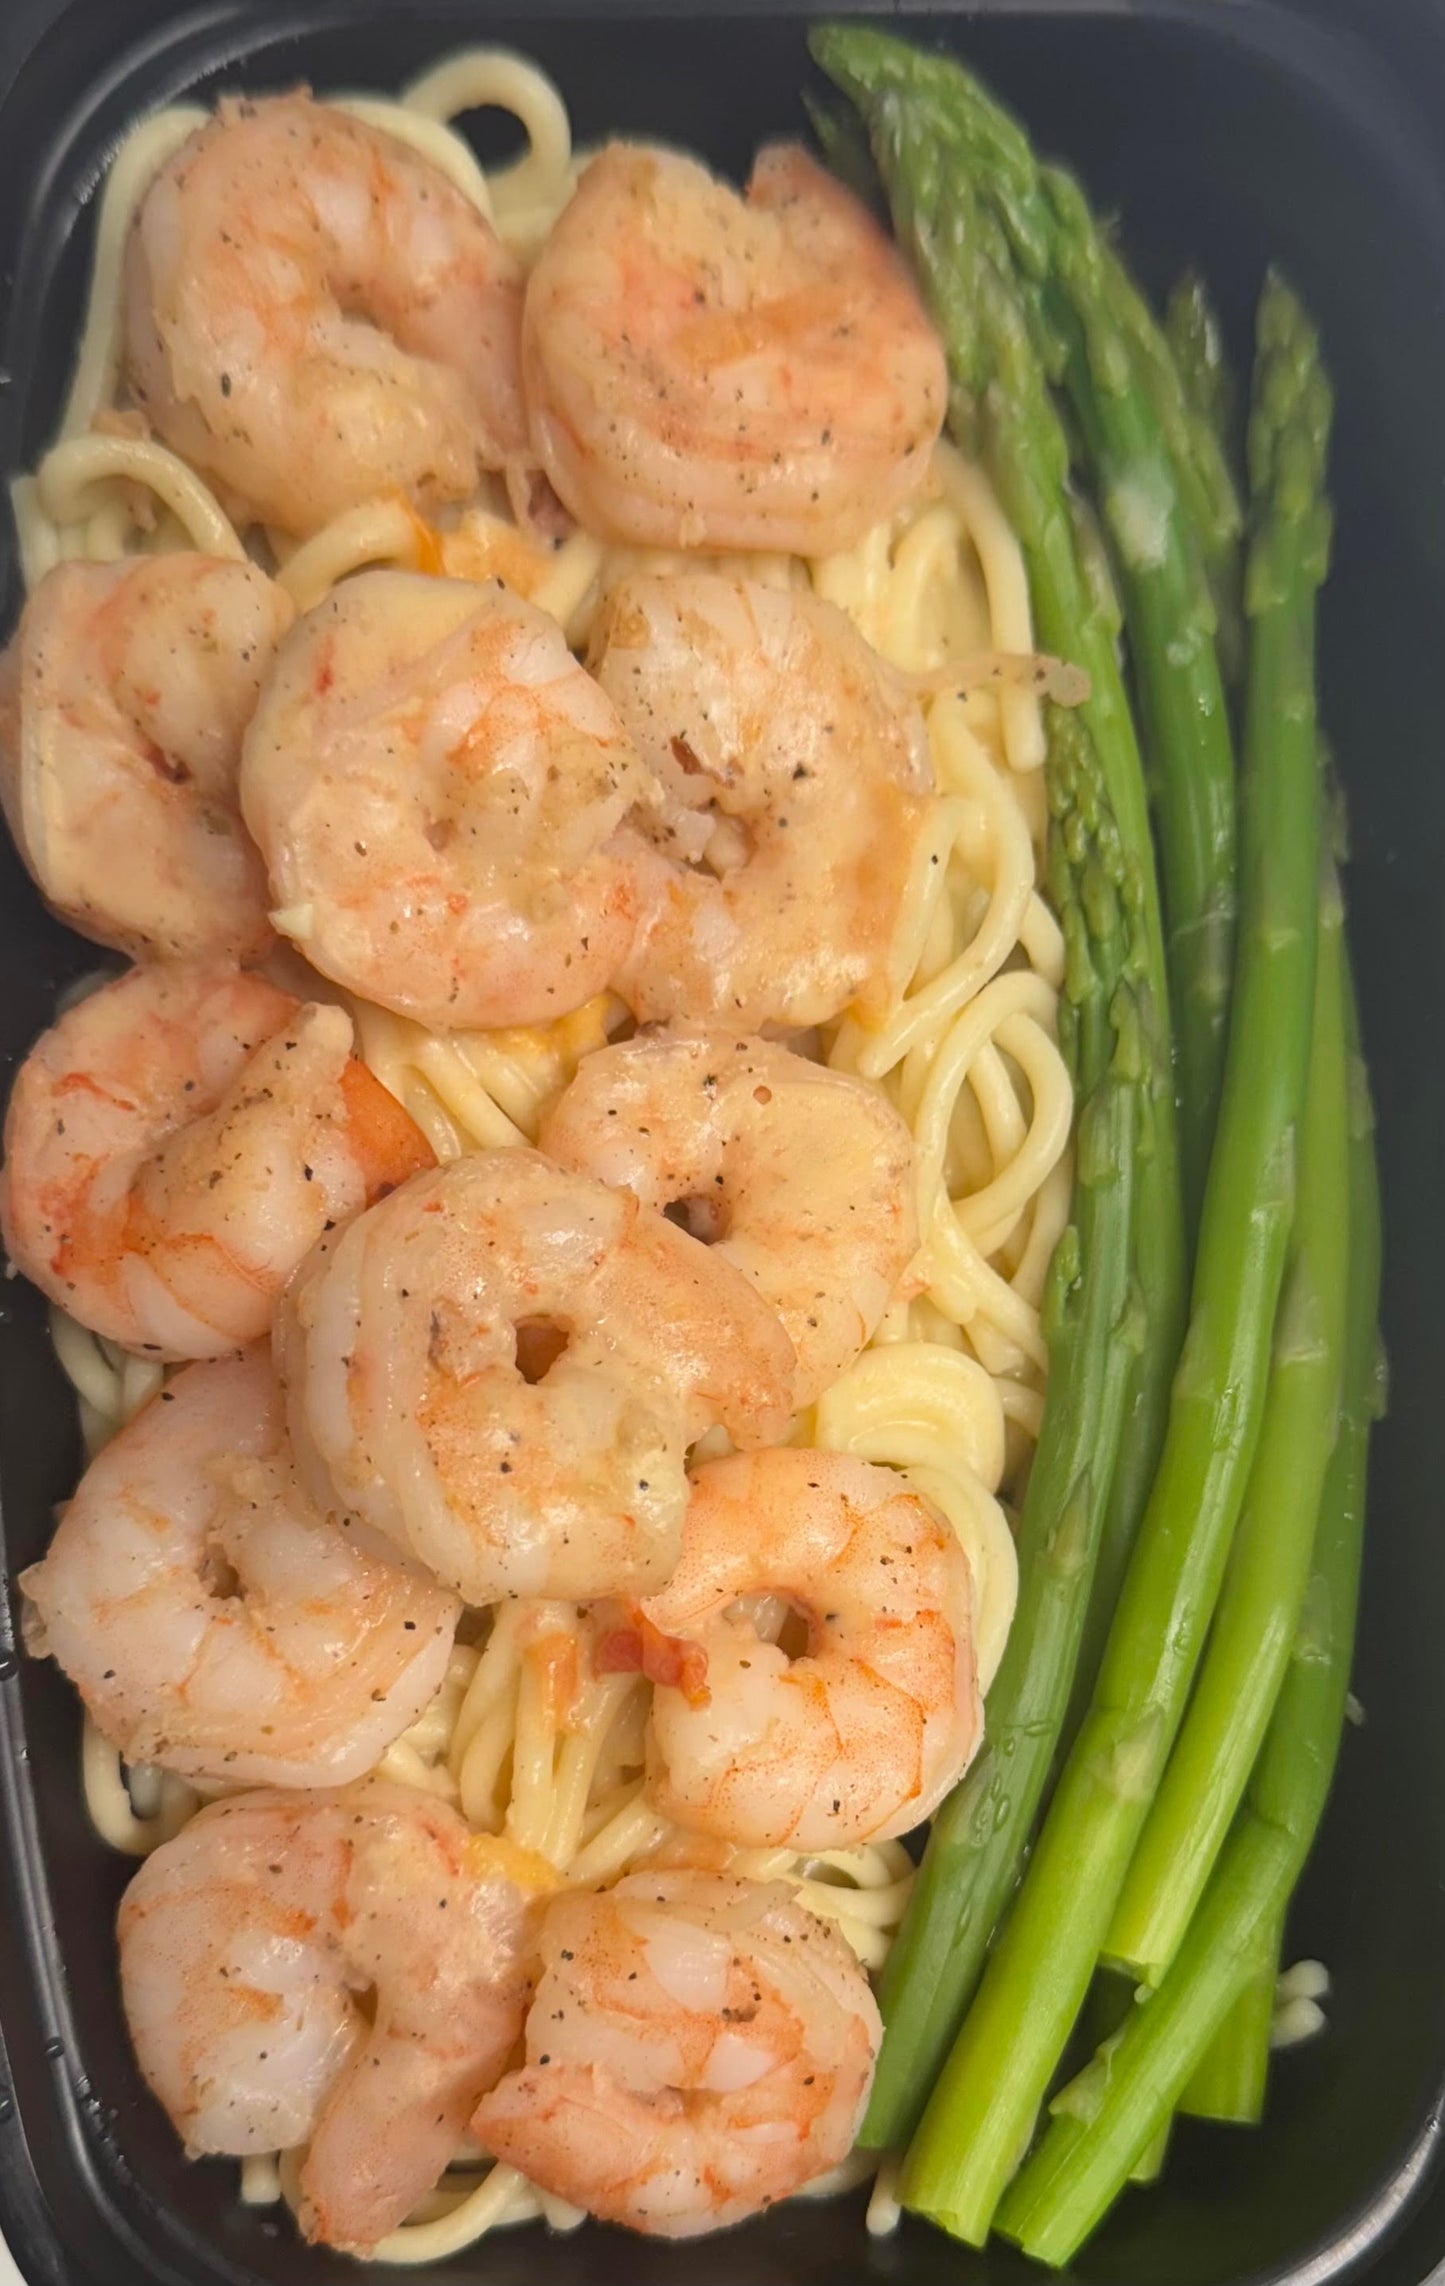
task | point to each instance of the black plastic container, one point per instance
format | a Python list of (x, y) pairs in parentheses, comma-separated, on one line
[(1229, 131)]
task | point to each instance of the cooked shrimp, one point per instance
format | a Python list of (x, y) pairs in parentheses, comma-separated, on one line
[(175, 1144), (501, 1367), (795, 769), (862, 1734), (437, 786), (126, 690), (800, 1176), (314, 314), (698, 2048), (212, 1619), (709, 371), (248, 1947)]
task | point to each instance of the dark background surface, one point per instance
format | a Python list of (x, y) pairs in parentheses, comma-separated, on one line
[(1227, 131)]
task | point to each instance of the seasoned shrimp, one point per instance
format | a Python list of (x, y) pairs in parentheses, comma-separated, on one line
[(248, 1947), (314, 314), (800, 1176), (795, 773), (501, 1367), (699, 2047), (862, 1734), (123, 697), (212, 1619), (175, 1144), (437, 787), (709, 371)]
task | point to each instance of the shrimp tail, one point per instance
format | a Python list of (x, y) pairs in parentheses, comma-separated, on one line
[(385, 1139), (637, 1646), (581, 2121)]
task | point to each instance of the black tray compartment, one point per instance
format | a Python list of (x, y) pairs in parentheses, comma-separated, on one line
[(1227, 131)]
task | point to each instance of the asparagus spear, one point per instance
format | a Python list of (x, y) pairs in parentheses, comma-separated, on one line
[(1000, 409), (1204, 838), (844, 145), (1149, 2165), (979, 1835), (1228, 2083), (1269, 1562), (1110, 2114), (1193, 393), (1170, 622), (1193, 423), (1144, 1416), (1196, 345), (1170, 502), (1195, 340), (1106, 2011), (982, 2111), (998, 399), (998, 152), (1167, 495)]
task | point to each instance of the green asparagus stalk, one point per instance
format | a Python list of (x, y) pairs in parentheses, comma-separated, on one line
[(1001, 411), (1269, 1561), (1187, 376), (1103, 2016), (1148, 1386), (982, 2111), (1167, 494), (1107, 2117), (997, 151), (1170, 622), (1193, 392), (1183, 696), (1196, 343), (979, 1835), (1229, 2082), (1196, 347), (999, 400), (844, 145), (998, 396), (1149, 2165)]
